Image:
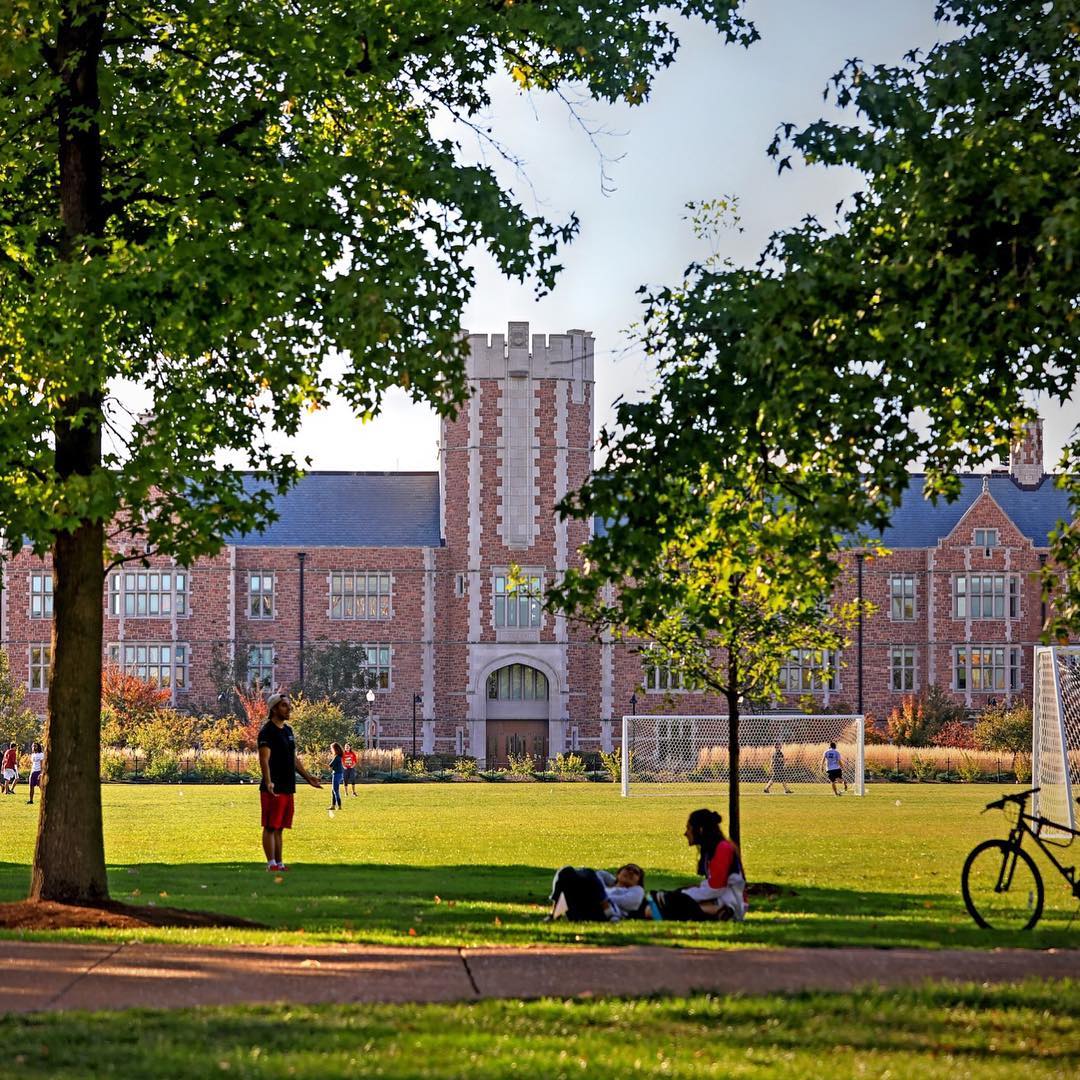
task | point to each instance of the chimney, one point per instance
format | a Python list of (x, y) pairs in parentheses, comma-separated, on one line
[(1026, 455)]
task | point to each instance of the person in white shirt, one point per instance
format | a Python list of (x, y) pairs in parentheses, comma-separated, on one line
[(583, 894), (834, 768), (37, 761)]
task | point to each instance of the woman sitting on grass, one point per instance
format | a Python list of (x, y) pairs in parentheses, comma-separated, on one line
[(586, 895), (722, 892)]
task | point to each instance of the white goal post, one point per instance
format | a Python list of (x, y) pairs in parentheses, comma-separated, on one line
[(774, 750), (1055, 734)]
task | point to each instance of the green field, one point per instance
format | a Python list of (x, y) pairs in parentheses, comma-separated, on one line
[(957, 1031), (471, 863)]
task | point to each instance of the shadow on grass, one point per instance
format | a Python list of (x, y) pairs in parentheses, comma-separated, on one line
[(504, 905), (905, 1031)]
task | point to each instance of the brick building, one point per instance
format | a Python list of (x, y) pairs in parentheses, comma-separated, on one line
[(414, 567)]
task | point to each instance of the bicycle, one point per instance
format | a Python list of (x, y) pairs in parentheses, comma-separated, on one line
[(1002, 886)]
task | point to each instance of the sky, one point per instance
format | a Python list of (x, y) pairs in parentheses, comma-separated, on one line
[(702, 134)]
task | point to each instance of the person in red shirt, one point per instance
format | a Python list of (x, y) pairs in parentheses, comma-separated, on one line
[(349, 759), (10, 769), (722, 891)]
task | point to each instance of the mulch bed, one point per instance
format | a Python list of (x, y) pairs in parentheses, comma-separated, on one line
[(47, 915)]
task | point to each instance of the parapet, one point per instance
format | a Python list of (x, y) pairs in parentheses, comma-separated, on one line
[(555, 356)]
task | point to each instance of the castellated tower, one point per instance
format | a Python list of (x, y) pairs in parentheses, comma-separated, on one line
[(1026, 455), (521, 442)]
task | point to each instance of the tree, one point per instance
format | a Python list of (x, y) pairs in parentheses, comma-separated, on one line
[(126, 702), (318, 723), (919, 329), (338, 671), (1005, 727), (18, 723), (714, 573), (242, 208)]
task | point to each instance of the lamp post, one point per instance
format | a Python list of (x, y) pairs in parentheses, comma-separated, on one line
[(417, 699)]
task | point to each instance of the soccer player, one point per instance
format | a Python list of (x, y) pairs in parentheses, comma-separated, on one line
[(777, 770), (10, 769), (349, 759), (834, 768), (37, 763), (279, 764)]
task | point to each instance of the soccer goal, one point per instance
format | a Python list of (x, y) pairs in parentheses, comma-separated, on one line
[(776, 751), (1055, 735)]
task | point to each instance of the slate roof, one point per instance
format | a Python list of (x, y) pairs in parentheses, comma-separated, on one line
[(352, 509), (919, 523)]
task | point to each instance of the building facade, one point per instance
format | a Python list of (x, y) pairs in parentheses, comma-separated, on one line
[(415, 568)]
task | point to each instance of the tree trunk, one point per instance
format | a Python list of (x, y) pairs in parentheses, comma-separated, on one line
[(69, 859), (734, 823)]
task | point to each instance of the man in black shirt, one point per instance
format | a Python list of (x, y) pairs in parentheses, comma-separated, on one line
[(279, 764)]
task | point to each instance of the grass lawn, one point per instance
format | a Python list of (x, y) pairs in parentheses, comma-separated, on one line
[(958, 1032), (468, 864)]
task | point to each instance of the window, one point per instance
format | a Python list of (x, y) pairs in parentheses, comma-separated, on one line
[(166, 665), (902, 667), (41, 596), (148, 594), (986, 596), (459, 585), (986, 538), (517, 604), (987, 667), (260, 596), (359, 596), (662, 677), (40, 663), (810, 669), (260, 665), (902, 597), (378, 666), (675, 743), (517, 682)]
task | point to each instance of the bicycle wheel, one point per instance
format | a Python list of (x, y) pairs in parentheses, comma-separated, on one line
[(1002, 887)]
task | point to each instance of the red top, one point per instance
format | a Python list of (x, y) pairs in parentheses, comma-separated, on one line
[(721, 864), (348, 759), (10, 757)]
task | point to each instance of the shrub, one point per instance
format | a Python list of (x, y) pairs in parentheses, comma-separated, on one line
[(969, 768), (164, 731), (317, 724), (213, 770), (955, 733), (466, 767), (612, 764), (525, 765), (114, 765), (1022, 767), (416, 767), (922, 767), (163, 766), (1004, 727), (127, 702), (222, 733), (907, 723), (569, 767)]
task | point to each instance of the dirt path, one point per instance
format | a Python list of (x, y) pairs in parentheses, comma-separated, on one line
[(52, 976)]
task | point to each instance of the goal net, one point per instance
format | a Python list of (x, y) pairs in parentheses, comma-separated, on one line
[(776, 751), (1055, 736)]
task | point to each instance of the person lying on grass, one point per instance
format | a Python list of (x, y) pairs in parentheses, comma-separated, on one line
[(586, 895), (721, 894)]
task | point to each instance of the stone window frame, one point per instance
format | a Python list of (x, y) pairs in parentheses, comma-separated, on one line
[(260, 667), (658, 678), (991, 538), (383, 598), (533, 599), (905, 579), (259, 596), (175, 596), (178, 662), (499, 682), (797, 664), (1011, 668), (39, 665), (963, 597), (897, 671), (40, 587)]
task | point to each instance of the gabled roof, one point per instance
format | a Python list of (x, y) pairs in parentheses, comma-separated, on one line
[(352, 509), (918, 523)]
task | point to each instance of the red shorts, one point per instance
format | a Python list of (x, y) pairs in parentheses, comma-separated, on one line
[(277, 810)]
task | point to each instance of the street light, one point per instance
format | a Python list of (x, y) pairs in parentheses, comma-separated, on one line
[(417, 699)]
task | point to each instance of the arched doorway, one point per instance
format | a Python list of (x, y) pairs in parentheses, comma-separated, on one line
[(518, 703)]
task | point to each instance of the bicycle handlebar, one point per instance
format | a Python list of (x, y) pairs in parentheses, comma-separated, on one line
[(1020, 798)]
